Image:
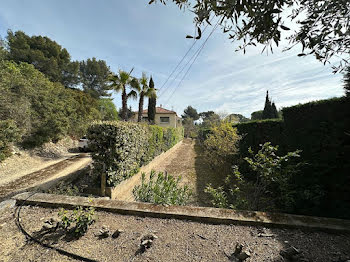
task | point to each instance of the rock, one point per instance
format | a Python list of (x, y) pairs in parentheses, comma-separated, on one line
[(289, 252), (117, 233), (265, 235), (239, 254), (147, 241), (150, 236), (104, 232), (243, 255)]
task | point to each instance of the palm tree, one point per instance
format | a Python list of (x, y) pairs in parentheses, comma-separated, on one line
[(119, 82), (141, 85)]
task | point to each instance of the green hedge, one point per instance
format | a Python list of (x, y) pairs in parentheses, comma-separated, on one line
[(321, 130), (9, 133), (123, 146), (255, 133)]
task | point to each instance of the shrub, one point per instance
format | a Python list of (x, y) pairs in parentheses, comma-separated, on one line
[(164, 189), (221, 144), (266, 187), (117, 148), (120, 148), (78, 221), (9, 133)]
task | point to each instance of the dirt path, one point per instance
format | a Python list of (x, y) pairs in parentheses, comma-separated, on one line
[(43, 175), (188, 162)]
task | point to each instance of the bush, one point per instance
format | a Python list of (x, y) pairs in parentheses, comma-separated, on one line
[(120, 148), (265, 187), (9, 133), (43, 111), (117, 148), (220, 146), (164, 189), (78, 221), (321, 129)]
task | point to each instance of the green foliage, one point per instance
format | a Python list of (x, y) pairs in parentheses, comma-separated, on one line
[(107, 109), (43, 111), (9, 133), (120, 83), (219, 196), (221, 144), (78, 221), (254, 133), (265, 187), (94, 77), (117, 148), (270, 110), (190, 129), (120, 148), (46, 55), (321, 130), (257, 115), (164, 189), (152, 102), (321, 26), (190, 112), (347, 81)]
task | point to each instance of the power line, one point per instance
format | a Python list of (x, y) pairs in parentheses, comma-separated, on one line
[(178, 64), (196, 56)]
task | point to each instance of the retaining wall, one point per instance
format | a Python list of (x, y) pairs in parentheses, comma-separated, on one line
[(123, 191), (200, 214)]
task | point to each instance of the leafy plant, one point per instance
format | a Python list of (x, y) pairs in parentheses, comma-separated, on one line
[(221, 144), (265, 187), (78, 221), (163, 189)]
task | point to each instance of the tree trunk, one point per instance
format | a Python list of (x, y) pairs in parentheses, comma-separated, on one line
[(124, 105), (140, 107)]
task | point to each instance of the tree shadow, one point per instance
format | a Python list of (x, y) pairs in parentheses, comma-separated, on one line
[(205, 175)]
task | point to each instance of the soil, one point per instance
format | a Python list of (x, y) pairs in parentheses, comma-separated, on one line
[(188, 161), (28, 181), (178, 240), (24, 162)]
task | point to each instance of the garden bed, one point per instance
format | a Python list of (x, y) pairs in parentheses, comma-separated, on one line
[(178, 240)]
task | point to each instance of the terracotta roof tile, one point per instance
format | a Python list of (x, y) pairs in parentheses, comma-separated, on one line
[(160, 110)]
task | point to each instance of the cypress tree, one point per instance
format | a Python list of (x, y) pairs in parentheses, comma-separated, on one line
[(267, 113), (152, 102), (274, 111)]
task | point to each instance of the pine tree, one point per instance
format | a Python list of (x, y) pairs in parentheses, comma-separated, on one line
[(152, 102)]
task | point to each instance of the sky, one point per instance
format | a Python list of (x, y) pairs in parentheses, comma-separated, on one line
[(151, 39)]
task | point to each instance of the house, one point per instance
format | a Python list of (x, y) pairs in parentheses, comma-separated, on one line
[(163, 117)]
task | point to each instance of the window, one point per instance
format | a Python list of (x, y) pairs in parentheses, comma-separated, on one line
[(165, 119)]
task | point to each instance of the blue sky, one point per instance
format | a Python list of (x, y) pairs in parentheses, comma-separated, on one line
[(151, 38)]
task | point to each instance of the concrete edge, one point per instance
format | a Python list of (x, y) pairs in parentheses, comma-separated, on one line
[(123, 191), (199, 214)]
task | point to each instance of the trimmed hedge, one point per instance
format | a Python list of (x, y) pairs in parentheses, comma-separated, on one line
[(255, 133), (321, 130), (122, 147)]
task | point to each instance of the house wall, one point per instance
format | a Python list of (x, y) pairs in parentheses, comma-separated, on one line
[(172, 120)]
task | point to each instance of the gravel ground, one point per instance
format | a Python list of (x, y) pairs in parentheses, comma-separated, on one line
[(177, 240)]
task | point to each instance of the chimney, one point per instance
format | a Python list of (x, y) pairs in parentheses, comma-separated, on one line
[(160, 105)]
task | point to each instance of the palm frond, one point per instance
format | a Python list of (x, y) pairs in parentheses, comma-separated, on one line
[(132, 94), (151, 93), (135, 84)]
